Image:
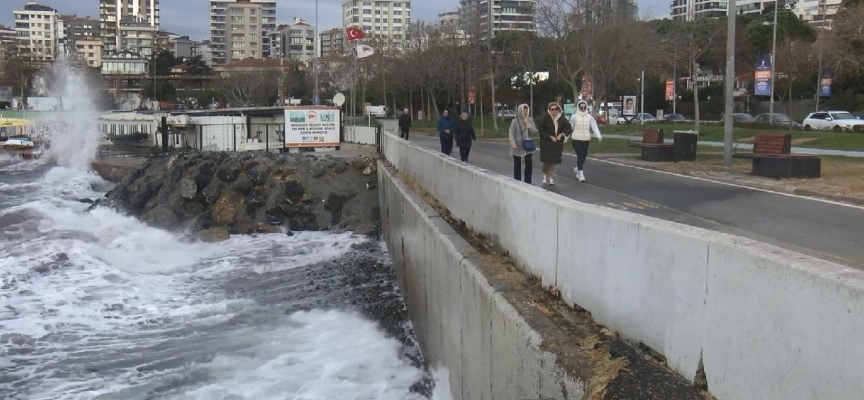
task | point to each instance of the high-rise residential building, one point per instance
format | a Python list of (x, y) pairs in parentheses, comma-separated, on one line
[(220, 27), (385, 21), (37, 33), (204, 50), (332, 42), (819, 12), (451, 27), (7, 46), (690, 10), (244, 28), (276, 46), (73, 28), (298, 41), (484, 19), (138, 37), (112, 13)]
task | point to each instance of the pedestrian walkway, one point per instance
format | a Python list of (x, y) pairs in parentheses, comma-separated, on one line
[(748, 146)]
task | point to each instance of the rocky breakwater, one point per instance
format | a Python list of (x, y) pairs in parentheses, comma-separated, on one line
[(212, 195)]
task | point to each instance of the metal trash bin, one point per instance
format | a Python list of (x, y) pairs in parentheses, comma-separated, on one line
[(685, 145)]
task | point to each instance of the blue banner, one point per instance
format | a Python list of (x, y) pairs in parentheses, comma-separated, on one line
[(825, 85), (762, 76)]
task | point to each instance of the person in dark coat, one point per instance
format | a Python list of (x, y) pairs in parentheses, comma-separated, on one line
[(552, 129), (464, 136), (446, 126), (404, 123)]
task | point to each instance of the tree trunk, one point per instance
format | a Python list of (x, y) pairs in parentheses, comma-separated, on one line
[(494, 105), (423, 103)]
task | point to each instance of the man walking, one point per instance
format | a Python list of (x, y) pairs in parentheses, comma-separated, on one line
[(404, 123)]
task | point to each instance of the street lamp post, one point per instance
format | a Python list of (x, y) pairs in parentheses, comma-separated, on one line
[(819, 69), (773, 65), (730, 84), (642, 97), (315, 59)]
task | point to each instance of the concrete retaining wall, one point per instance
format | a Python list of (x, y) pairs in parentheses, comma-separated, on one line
[(360, 134), (765, 322), (458, 317)]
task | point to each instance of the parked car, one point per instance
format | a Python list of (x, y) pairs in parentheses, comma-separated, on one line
[(507, 113), (743, 117), (832, 120), (674, 118), (777, 119), (645, 117)]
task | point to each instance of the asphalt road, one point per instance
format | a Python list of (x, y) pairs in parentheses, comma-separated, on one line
[(821, 229)]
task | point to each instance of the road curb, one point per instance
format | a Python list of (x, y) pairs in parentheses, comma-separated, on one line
[(835, 197)]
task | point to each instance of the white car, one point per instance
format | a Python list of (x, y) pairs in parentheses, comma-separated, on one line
[(832, 120), (645, 117)]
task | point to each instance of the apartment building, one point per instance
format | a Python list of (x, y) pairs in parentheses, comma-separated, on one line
[(220, 27), (204, 50), (138, 37), (488, 18), (90, 50), (74, 28), (36, 32), (182, 46), (298, 41), (113, 13), (384, 21), (244, 29), (8, 46), (332, 42)]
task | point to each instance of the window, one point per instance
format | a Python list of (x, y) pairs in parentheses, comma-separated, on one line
[(377, 20), (253, 36), (236, 45), (367, 12), (236, 11), (253, 11), (237, 53), (237, 19), (237, 27), (366, 20), (399, 20)]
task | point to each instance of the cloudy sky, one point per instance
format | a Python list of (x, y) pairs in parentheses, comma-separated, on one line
[(192, 17)]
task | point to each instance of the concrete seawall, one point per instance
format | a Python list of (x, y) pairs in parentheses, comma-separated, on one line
[(754, 321)]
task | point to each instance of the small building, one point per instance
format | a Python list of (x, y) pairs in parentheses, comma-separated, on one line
[(255, 65), (124, 63), (182, 47), (90, 50)]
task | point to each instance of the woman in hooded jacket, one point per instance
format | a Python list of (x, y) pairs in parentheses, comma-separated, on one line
[(583, 126), (521, 128), (553, 128), (464, 136)]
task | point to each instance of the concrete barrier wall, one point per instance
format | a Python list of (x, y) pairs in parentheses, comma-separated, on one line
[(360, 134), (765, 322), (461, 321)]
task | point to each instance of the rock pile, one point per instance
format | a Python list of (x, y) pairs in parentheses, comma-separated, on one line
[(215, 194)]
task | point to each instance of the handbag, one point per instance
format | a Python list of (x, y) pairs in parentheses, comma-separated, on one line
[(528, 145)]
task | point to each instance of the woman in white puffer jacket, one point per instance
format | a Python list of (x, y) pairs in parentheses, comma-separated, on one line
[(583, 126)]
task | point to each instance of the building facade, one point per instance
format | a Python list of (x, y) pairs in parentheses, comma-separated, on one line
[(74, 28), (124, 63), (451, 26), (220, 27), (276, 45), (90, 50), (298, 41), (138, 37), (487, 18), (817, 12), (37, 33), (113, 13), (8, 46), (383, 21), (204, 50), (332, 42), (244, 28), (182, 47)]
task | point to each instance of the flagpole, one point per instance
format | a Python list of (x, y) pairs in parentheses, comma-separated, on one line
[(356, 54)]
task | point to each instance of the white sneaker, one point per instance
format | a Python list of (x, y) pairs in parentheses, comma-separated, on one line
[(551, 181), (581, 176), (576, 171), (544, 179)]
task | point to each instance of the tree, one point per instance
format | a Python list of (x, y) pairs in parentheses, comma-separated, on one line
[(249, 88), (197, 67), (160, 91), (162, 63)]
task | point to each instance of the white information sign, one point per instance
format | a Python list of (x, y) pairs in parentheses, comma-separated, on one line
[(312, 126)]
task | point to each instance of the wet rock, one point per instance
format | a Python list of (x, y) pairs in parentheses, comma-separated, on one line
[(228, 173), (188, 189), (250, 193), (214, 235)]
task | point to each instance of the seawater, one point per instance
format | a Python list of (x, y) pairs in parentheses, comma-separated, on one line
[(97, 305)]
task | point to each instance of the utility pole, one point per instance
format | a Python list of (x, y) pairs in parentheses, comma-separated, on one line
[(675, 81), (773, 65), (819, 69), (730, 84)]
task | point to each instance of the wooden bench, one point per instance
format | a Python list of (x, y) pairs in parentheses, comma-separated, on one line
[(653, 147), (772, 157)]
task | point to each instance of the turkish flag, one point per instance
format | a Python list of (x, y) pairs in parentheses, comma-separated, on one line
[(354, 33)]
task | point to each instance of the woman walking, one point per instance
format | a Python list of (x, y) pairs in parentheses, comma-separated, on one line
[(446, 125), (552, 130), (583, 126), (521, 129), (464, 136)]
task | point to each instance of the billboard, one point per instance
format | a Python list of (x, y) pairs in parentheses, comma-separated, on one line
[(312, 126), (587, 89), (670, 90), (825, 85), (629, 106), (762, 76), (5, 94)]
